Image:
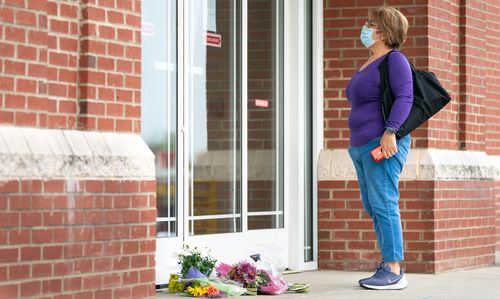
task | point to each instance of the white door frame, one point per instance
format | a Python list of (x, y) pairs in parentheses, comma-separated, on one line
[(165, 247), (295, 95)]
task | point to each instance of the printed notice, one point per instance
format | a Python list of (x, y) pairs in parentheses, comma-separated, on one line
[(261, 103), (211, 16)]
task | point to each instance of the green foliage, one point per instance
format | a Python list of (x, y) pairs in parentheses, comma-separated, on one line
[(193, 257)]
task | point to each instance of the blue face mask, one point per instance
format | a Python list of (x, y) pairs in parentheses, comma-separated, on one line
[(366, 36)]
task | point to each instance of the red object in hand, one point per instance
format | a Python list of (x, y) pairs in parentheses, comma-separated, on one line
[(377, 154)]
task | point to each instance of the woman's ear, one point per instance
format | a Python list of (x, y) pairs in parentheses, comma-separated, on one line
[(382, 37)]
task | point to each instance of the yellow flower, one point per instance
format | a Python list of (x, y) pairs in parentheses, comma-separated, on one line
[(197, 291)]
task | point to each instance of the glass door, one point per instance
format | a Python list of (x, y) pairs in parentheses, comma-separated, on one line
[(213, 114), (159, 123), (234, 168), (213, 117)]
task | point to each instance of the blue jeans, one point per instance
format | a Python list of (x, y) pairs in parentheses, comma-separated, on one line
[(378, 184)]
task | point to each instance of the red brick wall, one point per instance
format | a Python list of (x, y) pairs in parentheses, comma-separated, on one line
[(110, 66), (492, 66), (443, 58), (446, 225), (74, 65), (80, 239), (464, 218), (70, 64), (457, 41), (492, 102)]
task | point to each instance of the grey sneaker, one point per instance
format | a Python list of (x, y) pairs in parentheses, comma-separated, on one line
[(379, 267), (385, 279)]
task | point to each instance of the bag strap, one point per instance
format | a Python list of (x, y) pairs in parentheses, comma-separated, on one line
[(387, 97)]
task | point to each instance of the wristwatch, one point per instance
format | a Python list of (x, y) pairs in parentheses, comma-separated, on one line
[(390, 130)]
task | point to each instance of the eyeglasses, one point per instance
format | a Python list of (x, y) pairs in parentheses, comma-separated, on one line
[(370, 24)]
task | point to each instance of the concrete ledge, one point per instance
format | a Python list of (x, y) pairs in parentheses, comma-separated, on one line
[(422, 164), (47, 153)]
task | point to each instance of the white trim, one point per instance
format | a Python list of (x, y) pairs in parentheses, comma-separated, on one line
[(244, 115), (165, 242), (49, 153), (235, 118), (422, 164), (165, 219), (216, 216), (277, 112), (309, 266), (181, 129), (187, 121), (266, 213), (317, 110), (294, 76)]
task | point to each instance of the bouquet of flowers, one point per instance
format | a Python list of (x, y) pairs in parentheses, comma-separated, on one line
[(194, 257), (252, 279), (243, 277), (196, 265)]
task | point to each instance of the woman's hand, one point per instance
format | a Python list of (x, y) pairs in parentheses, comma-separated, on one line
[(389, 146)]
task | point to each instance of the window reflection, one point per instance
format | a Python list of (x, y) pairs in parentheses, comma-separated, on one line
[(159, 104), (214, 117)]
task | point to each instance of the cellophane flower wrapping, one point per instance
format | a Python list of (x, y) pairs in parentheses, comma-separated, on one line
[(275, 285)]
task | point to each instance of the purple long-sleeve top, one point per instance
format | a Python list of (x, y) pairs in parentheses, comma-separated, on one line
[(366, 121)]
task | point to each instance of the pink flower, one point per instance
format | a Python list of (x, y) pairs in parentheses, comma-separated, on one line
[(223, 269)]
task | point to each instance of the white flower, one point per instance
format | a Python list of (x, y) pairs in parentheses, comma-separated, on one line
[(179, 253)]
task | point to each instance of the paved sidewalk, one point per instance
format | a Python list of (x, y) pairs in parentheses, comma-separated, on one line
[(481, 283)]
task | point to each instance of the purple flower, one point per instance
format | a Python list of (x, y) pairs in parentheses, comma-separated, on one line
[(244, 273)]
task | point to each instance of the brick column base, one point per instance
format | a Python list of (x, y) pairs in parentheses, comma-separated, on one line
[(78, 215), (448, 221)]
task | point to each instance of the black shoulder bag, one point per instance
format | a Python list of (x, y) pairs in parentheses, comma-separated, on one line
[(428, 97)]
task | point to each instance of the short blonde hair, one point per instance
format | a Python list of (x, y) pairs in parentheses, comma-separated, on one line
[(392, 24)]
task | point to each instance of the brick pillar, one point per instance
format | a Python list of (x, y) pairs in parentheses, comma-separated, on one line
[(472, 72), (23, 82), (78, 208), (110, 66), (492, 100), (449, 187)]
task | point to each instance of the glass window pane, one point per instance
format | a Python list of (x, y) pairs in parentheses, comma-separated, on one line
[(159, 104), (265, 221), (213, 92), (215, 226), (265, 150)]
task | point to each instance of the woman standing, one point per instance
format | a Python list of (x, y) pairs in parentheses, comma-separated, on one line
[(383, 34)]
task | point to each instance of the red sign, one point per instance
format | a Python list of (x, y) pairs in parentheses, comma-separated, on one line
[(261, 103), (213, 40)]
